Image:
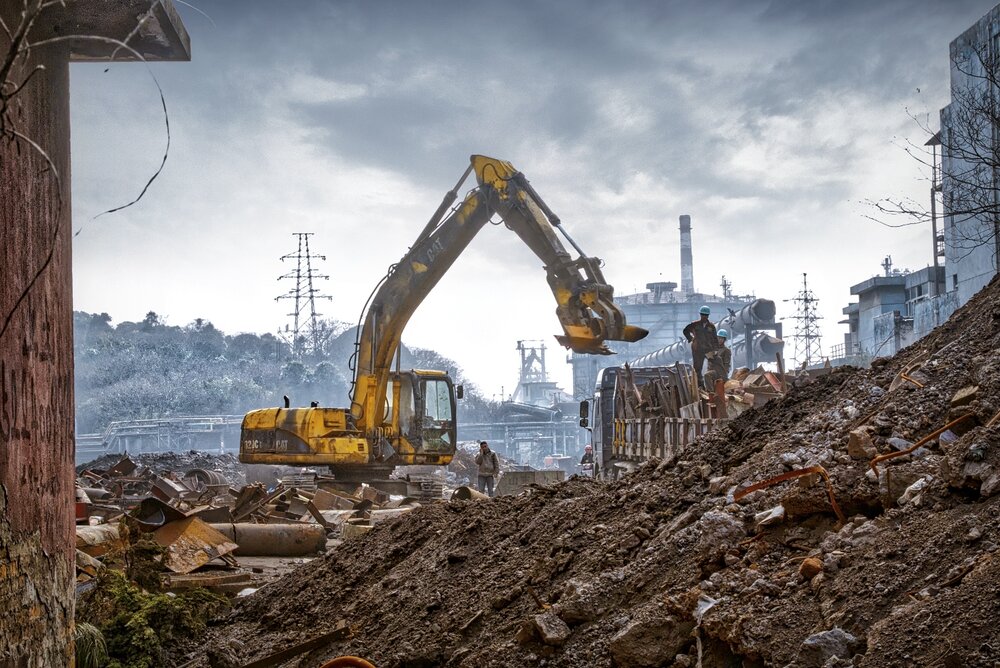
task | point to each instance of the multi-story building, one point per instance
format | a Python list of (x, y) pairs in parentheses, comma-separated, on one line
[(898, 308), (893, 311), (661, 309), (969, 151)]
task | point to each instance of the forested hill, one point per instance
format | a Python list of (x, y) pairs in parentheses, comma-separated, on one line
[(151, 369)]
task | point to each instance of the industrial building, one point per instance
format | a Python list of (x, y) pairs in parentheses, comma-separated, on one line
[(664, 311)]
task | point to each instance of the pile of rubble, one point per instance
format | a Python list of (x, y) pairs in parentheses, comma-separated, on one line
[(167, 463), (202, 523), (853, 522)]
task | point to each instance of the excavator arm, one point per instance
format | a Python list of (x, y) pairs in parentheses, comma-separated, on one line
[(584, 301), (408, 417)]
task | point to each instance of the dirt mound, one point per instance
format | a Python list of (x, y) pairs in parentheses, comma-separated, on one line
[(664, 568)]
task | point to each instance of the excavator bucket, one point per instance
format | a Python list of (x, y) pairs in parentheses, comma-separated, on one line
[(631, 334), (596, 346), (586, 346)]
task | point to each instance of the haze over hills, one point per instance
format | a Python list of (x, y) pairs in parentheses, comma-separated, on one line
[(152, 369)]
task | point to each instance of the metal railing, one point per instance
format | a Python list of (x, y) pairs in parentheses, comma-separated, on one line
[(639, 439)]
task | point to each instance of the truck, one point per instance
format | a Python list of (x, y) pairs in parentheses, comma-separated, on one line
[(404, 417), (640, 413)]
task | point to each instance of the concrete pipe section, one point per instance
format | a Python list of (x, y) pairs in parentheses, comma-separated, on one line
[(467, 494)]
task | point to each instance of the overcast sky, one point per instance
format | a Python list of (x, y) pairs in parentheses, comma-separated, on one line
[(768, 122)]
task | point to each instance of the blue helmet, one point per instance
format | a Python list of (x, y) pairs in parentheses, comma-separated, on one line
[(704, 310), (723, 334)]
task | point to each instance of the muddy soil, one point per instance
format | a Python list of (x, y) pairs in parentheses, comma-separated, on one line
[(664, 568)]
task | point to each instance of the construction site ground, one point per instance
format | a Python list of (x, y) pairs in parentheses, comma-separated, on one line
[(665, 568)]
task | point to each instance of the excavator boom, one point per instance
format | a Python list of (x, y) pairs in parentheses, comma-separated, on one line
[(584, 301), (399, 417)]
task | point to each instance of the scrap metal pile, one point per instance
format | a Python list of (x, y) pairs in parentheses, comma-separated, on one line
[(672, 392), (853, 522), (202, 523)]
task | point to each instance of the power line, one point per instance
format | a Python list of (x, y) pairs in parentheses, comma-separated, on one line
[(305, 334), (807, 332)]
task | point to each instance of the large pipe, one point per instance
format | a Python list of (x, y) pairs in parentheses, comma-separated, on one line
[(757, 312), (687, 263), (274, 540), (763, 346), (675, 352)]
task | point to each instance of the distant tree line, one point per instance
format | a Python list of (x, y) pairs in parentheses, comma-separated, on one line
[(150, 369)]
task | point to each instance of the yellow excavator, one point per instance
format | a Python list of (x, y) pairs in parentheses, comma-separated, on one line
[(400, 417)]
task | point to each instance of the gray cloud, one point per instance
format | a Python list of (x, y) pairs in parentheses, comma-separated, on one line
[(764, 119)]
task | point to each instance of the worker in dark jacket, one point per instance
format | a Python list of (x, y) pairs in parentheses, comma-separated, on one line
[(489, 467), (720, 360), (703, 339)]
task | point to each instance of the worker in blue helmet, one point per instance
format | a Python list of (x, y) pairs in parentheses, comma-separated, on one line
[(720, 360), (703, 339)]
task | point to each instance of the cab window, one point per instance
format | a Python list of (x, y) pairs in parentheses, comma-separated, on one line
[(437, 400)]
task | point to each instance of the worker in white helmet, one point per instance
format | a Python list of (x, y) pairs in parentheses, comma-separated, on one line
[(587, 461)]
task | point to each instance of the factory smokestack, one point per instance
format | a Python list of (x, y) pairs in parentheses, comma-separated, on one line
[(687, 264)]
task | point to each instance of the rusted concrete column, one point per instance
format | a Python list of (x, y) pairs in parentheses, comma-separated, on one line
[(36, 372), (37, 556)]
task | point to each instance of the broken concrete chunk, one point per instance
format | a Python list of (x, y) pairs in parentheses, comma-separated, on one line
[(965, 396), (770, 517), (990, 486), (717, 532), (650, 641), (526, 632), (718, 484), (899, 443), (860, 446), (790, 460), (819, 648), (551, 629)]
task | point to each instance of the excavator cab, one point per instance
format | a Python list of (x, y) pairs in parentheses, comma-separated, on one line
[(426, 411)]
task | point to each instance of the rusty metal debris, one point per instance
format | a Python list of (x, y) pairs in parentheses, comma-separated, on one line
[(341, 631), (926, 439), (789, 475), (906, 375), (348, 662), (191, 543), (542, 605), (468, 494), (198, 518), (274, 540)]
